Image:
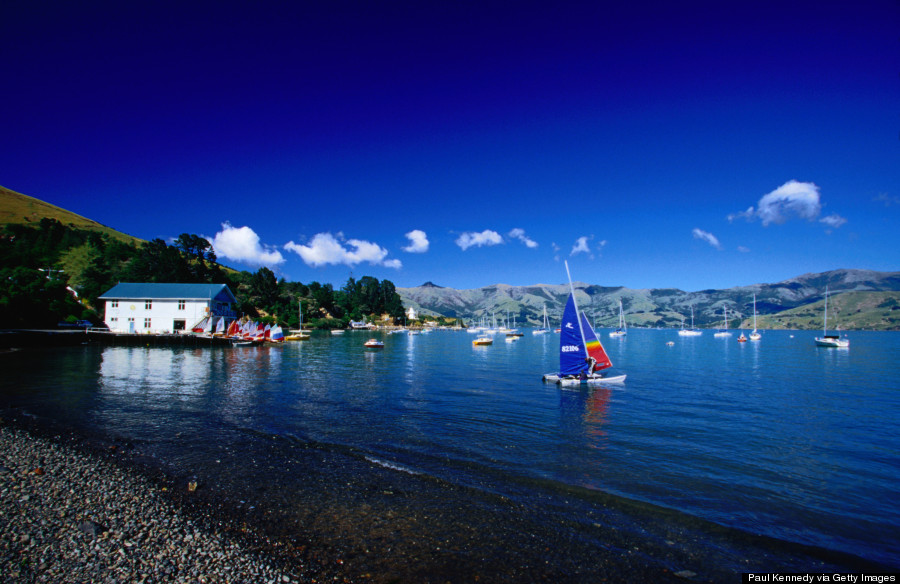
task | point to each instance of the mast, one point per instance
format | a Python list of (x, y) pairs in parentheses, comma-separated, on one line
[(754, 312), (825, 327), (575, 302)]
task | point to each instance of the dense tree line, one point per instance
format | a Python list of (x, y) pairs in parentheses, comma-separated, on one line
[(43, 265)]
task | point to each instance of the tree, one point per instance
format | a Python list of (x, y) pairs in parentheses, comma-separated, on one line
[(158, 262), (29, 298), (393, 305), (264, 288), (200, 256), (76, 260)]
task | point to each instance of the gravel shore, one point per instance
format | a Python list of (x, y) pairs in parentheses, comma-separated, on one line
[(70, 516)]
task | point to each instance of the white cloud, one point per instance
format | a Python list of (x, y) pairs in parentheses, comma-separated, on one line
[(743, 249), (749, 215), (581, 245), (556, 249), (418, 242), (793, 199), (519, 234), (707, 237), (241, 244), (486, 237), (887, 199), (833, 220), (325, 249)]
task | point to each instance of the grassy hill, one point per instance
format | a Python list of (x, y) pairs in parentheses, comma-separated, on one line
[(849, 311), (18, 208)]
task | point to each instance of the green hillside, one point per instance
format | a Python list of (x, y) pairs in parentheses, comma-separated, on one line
[(849, 311), (22, 209)]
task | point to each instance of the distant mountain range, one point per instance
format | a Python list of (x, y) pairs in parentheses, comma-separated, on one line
[(858, 299)]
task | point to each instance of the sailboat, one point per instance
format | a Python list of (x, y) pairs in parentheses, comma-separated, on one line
[(623, 329), (724, 332), (299, 334), (691, 332), (545, 328), (581, 355), (826, 340), (754, 336), (276, 334)]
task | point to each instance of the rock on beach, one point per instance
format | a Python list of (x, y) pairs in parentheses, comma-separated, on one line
[(68, 516)]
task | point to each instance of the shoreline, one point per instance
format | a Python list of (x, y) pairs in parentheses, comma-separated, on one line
[(78, 507), (70, 515), (96, 512)]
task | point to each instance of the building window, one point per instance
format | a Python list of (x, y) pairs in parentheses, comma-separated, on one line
[(114, 319), (114, 304), (148, 304), (181, 305), (146, 323)]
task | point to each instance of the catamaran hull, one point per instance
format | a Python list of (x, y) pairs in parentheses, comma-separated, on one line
[(835, 343), (577, 381)]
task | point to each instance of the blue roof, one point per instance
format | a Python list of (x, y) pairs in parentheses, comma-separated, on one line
[(218, 292)]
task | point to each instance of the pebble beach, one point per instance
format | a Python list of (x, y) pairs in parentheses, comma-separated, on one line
[(71, 516)]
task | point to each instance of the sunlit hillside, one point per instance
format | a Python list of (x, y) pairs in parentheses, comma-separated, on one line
[(18, 208)]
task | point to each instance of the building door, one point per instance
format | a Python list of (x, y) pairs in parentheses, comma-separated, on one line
[(178, 325)]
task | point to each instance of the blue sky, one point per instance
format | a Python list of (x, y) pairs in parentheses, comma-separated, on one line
[(690, 145)]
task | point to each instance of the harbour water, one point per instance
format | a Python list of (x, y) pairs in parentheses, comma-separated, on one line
[(433, 458)]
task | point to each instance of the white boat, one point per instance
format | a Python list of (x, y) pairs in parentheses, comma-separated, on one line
[(691, 332), (298, 334), (374, 344), (582, 358), (724, 332), (546, 326), (337, 331), (623, 328), (754, 336), (483, 341), (832, 341)]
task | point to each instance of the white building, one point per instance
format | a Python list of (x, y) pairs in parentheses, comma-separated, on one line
[(166, 308), (411, 314)]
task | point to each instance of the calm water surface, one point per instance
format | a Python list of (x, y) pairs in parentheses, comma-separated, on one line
[(775, 438)]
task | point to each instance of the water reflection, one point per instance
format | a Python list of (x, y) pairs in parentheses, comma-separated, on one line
[(583, 414), (155, 374)]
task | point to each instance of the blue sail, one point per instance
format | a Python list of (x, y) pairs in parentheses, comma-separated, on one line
[(572, 354)]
